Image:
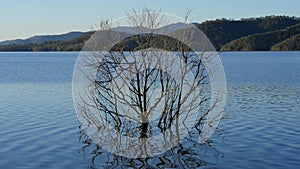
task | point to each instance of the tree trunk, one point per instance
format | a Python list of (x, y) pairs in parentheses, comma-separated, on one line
[(144, 127)]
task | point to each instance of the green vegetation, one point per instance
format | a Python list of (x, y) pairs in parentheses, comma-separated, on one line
[(74, 44), (252, 34), (222, 31), (290, 44), (262, 41), (138, 42)]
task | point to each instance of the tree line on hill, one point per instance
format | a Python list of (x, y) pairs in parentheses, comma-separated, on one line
[(251, 34)]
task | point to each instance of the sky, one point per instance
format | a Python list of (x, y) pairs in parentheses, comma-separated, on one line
[(21, 19)]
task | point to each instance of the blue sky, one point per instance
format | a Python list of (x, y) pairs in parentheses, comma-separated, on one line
[(24, 18)]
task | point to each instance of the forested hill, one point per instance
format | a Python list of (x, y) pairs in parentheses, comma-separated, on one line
[(251, 34), (262, 41), (222, 31), (290, 44)]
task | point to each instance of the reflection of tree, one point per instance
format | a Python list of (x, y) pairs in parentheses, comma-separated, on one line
[(136, 95), (187, 154), (143, 88)]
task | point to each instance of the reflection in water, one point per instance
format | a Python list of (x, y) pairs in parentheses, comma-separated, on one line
[(187, 154), (146, 105), (150, 107), (146, 117)]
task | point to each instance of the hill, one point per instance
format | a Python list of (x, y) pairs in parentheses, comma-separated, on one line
[(222, 31), (290, 44), (43, 38), (74, 44), (261, 41), (228, 35)]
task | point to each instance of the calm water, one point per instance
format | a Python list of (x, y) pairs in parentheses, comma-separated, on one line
[(261, 128)]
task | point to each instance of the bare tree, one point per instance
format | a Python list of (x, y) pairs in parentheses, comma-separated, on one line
[(145, 85)]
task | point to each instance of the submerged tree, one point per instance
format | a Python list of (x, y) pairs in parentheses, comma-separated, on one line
[(188, 154), (136, 98)]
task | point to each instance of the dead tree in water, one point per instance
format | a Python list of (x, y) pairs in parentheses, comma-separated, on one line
[(146, 84)]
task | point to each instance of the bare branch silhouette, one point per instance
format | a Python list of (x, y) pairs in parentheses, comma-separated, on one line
[(145, 85)]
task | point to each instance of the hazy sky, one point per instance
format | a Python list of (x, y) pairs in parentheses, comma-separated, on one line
[(24, 18)]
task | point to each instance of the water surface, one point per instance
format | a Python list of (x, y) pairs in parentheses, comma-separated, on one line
[(260, 129)]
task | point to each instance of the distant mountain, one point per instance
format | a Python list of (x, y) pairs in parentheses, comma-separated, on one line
[(74, 44), (252, 34), (127, 29), (43, 38), (165, 29), (173, 27)]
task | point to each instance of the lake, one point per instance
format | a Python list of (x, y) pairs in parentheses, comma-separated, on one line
[(260, 129)]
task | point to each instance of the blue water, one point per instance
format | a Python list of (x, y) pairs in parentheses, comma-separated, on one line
[(260, 129)]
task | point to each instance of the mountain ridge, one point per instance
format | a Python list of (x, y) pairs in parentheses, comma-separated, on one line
[(43, 38), (238, 34), (261, 41), (290, 44)]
